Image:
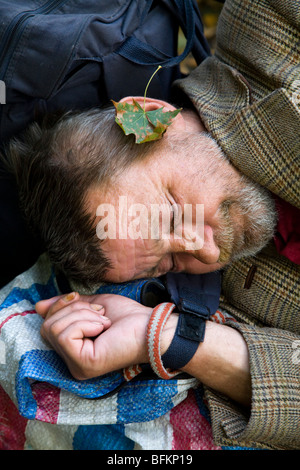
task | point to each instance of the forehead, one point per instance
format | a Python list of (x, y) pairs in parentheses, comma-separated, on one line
[(138, 182)]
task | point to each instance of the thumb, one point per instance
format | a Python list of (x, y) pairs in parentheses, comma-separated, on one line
[(52, 305), (43, 306)]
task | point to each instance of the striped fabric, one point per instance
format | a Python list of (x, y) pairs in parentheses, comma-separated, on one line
[(248, 98)]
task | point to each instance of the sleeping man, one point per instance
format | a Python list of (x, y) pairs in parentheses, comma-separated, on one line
[(234, 150)]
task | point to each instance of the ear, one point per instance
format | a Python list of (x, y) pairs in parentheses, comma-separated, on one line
[(152, 103)]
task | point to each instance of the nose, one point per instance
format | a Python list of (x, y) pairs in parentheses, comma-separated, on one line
[(201, 246)]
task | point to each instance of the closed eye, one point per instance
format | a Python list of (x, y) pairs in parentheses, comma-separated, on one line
[(172, 218), (176, 217)]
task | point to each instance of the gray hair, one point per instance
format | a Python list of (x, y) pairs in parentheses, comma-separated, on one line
[(54, 164)]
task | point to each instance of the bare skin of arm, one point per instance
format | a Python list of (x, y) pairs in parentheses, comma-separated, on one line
[(221, 362)]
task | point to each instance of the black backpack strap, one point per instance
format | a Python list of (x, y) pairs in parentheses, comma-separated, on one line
[(190, 289), (196, 297), (189, 19)]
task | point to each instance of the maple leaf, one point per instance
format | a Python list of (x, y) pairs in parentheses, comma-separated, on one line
[(145, 125)]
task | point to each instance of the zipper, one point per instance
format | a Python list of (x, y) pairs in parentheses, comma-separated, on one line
[(15, 29)]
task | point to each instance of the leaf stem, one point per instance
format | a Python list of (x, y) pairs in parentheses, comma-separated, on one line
[(158, 68)]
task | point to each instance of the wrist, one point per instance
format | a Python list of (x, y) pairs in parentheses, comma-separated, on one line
[(168, 332), (159, 317), (173, 339), (222, 363)]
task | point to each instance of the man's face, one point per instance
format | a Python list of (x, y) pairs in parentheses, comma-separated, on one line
[(227, 218)]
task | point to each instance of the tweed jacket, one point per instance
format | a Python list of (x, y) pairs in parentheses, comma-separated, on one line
[(248, 97)]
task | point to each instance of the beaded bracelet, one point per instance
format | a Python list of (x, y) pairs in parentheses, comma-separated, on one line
[(158, 319)]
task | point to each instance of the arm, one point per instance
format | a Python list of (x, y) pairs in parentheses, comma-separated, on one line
[(221, 361), (274, 357), (271, 391)]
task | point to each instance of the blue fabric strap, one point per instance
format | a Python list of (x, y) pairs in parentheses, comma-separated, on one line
[(192, 320), (180, 351), (144, 54), (196, 298), (201, 289), (190, 331)]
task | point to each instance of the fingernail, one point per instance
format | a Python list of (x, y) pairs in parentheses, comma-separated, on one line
[(69, 297), (103, 318), (96, 307)]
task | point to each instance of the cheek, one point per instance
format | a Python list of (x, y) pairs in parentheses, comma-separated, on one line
[(122, 266), (130, 259)]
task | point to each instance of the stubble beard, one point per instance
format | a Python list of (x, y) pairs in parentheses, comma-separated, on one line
[(247, 222)]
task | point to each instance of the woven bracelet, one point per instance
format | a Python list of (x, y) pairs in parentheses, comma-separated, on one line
[(158, 319)]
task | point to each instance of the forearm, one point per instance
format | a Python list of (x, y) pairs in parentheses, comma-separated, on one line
[(221, 361)]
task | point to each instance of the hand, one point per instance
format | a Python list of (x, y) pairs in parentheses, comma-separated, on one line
[(221, 361), (91, 341)]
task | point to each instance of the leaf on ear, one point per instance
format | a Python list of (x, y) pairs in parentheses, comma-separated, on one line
[(145, 125)]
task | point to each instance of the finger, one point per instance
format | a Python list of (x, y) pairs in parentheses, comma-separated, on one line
[(62, 302), (69, 344), (55, 303), (50, 306), (43, 306), (73, 307), (55, 324)]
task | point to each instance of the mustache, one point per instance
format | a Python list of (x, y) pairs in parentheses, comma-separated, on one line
[(256, 208), (224, 236)]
